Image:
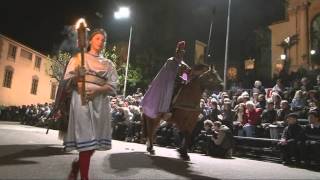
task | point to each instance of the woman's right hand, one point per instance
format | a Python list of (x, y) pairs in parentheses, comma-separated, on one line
[(81, 71)]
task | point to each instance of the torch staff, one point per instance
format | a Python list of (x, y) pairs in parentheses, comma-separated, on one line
[(82, 44)]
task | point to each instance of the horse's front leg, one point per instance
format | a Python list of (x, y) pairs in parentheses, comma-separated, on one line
[(183, 150), (152, 124)]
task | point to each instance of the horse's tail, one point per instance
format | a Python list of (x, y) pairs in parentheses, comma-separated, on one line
[(144, 125)]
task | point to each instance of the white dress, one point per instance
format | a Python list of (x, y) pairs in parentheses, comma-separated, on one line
[(89, 126)]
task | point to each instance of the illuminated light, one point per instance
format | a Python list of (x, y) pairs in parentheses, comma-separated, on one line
[(123, 12), (283, 57), (287, 40), (81, 20), (313, 52)]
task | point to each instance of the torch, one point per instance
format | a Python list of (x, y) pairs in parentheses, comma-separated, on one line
[(81, 27)]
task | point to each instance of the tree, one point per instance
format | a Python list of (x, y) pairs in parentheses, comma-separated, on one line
[(134, 73), (58, 63)]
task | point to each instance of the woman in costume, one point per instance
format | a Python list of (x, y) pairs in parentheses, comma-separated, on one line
[(89, 126)]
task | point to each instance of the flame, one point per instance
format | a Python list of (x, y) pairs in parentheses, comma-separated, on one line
[(81, 20)]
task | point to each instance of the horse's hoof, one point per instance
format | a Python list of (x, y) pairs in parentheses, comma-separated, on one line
[(185, 157), (151, 151), (183, 154)]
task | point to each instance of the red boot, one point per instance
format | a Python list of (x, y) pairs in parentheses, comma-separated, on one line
[(84, 162)]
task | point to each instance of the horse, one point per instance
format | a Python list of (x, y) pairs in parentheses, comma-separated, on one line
[(185, 107)]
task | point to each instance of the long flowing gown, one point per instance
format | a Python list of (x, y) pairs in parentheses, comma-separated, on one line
[(158, 97), (90, 125)]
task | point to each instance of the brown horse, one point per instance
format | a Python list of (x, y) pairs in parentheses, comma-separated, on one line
[(185, 107)]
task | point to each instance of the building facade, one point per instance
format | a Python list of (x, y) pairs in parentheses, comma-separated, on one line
[(294, 42), (23, 75)]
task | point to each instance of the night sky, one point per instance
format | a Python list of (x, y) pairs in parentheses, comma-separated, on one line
[(158, 23)]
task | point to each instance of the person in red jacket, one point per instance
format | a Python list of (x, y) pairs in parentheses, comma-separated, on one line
[(251, 119)]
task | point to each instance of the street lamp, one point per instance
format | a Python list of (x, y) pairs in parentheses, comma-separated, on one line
[(123, 13), (210, 34), (226, 49), (313, 52), (283, 57)]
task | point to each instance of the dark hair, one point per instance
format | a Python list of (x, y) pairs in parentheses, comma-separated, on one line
[(217, 123), (293, 115), (97, 31), (315, 112)]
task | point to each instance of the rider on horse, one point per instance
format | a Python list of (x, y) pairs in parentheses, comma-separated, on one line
[(156, 102)]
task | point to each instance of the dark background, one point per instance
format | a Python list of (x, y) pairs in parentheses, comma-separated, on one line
[(158, 25)]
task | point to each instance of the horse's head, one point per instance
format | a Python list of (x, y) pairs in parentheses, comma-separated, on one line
[(211, 80)]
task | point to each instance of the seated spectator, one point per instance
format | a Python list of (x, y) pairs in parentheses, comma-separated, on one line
[(245, 95), (214, 110), (207, 125), (228, 115), (298, 103), (222, 139), (251, 119), (312, 138), (292, 136), (201, 138), (283, 111), (237, 124), (258, 88), (255, 98), (313, 97), (306, 84), (279, 88), (276, 98), (268, 117), (261, 103)]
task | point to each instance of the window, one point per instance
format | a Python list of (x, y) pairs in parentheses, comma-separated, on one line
[(37, 62), (8, 73), (26, 54), (12, 51), (53, 91), (34, 85)]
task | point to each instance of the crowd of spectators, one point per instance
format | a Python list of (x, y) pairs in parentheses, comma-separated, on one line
[(257, 112)]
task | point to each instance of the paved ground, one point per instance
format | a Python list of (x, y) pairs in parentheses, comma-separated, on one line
[(28, 153)]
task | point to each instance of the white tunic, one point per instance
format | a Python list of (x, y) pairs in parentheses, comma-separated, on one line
[(90, 125)]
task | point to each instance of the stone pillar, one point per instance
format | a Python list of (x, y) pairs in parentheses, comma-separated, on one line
[(303, 44)]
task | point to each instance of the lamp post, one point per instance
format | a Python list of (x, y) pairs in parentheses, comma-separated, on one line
[(124, 13), (226, 49), (210, 34)]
